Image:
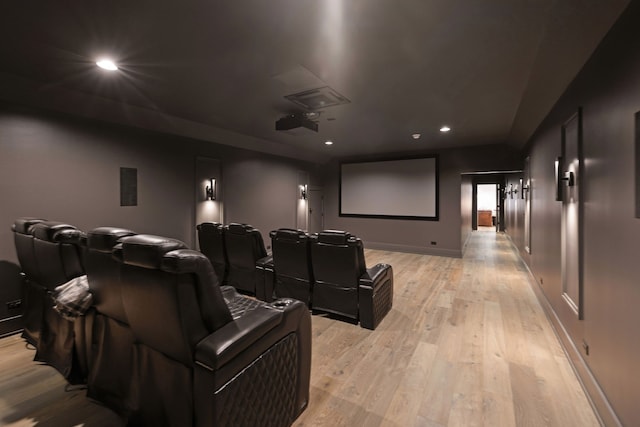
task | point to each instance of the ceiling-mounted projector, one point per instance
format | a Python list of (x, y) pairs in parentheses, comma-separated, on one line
[(294, 121)]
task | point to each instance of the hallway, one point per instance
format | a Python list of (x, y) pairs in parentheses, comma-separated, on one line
[(465, 344)]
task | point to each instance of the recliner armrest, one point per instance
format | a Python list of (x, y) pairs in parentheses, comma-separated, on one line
[(266, 261), (218, 348), (374, 275), (264, 278), (285, 347), (375, 295)]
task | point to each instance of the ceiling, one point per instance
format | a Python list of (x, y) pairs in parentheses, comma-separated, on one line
[(220, 70)]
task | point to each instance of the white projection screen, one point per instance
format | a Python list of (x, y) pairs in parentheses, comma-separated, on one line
[(400, 189)]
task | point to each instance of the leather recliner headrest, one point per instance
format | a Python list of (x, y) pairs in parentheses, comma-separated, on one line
[(145, 250), (235, 228), (184, 261), (206, 226), (47, 230), (71, 236), (103, 239), (288, 234), (22, 225), (334, 237)]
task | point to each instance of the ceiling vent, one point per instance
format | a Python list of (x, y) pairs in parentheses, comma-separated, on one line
[(317, 99)]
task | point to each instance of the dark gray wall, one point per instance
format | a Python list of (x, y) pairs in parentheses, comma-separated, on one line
[(67, 170), (416, 236), (608, 90)]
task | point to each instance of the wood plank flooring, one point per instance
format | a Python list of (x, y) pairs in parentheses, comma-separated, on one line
[(466, 344)]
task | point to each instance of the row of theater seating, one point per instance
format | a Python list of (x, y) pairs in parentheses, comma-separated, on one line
[(326, 271), (163, 343)]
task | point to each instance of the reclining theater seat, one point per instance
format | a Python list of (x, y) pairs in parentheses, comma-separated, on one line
[(194, 364), (292, 264), (211, 240), (111, 357), (58, 258), (34, 293), (245, 250), (343, 285)]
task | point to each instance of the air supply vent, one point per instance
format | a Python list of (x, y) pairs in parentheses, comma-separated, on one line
[(317, 99)]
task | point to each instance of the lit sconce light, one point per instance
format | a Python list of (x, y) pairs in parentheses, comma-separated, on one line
[(210, 190), (558, 166), (303, 192), (563, 179)]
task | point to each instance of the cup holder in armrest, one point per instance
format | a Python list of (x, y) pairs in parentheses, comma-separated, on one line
[(281, 303)]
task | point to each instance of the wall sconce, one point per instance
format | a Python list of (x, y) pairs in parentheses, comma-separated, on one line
[(210, 191), (509, 191), (569, 179), (563, 179), (524, 188), (303, 192)]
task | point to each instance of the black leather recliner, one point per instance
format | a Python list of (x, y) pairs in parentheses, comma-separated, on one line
[(34, 293), (111, 354), (211, 240), (194, 362), (343, 285), (246, 253), (292, 264), (58, 257)]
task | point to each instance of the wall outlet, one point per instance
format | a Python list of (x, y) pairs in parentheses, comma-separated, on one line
[(433, 242), (12, 305)]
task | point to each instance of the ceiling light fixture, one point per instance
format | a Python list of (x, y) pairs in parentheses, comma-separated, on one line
[(328, 143), (415, 136), (445, 129), (107, 64)]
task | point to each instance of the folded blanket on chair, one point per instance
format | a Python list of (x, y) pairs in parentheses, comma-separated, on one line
[(73, 298)]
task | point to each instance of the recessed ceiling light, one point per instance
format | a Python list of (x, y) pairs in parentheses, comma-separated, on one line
[(415, 136), (328, 142), (445, 129), (107, 64)]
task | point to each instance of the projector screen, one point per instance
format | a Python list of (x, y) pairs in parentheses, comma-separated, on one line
[(400, 189)]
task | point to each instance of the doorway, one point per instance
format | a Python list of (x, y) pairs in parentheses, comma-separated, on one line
[(487, 206), (488, 195)]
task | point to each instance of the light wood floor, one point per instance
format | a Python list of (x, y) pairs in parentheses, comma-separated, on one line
[(465, 344)]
